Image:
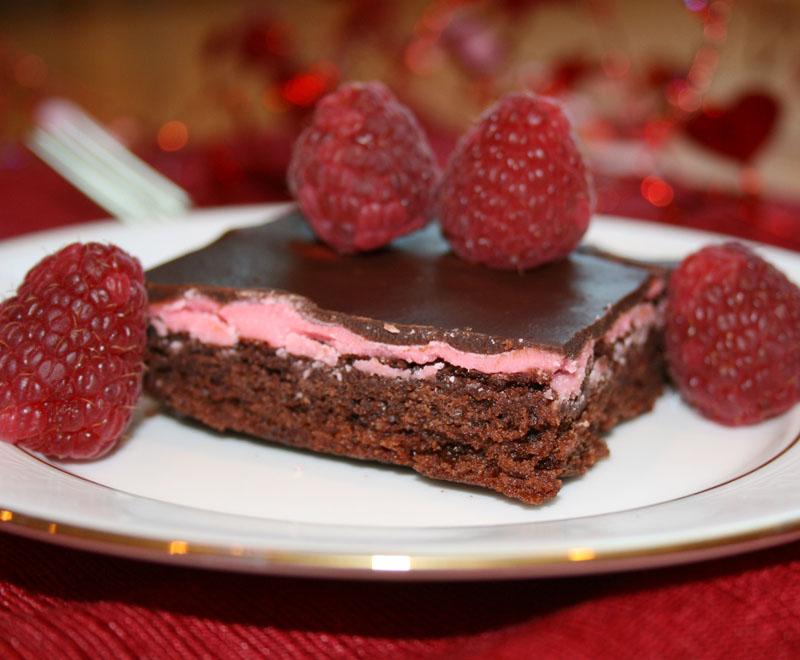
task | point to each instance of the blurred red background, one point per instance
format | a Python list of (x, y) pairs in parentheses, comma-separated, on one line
[(684, 107)]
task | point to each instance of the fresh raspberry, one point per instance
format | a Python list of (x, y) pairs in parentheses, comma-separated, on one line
[(516, 191), (71, 348), (733, 335), (363, 172)]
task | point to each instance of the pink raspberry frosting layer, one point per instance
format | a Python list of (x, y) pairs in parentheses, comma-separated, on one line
[(273, 318)]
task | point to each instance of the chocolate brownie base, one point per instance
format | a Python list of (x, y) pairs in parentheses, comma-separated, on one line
[(502, 432)]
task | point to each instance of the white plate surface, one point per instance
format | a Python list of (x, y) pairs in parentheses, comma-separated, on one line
[(676, 488)]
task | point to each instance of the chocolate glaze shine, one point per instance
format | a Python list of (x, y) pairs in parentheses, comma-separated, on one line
[(416, 285)]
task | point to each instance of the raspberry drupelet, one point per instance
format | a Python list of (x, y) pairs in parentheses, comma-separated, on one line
[(71, 348)]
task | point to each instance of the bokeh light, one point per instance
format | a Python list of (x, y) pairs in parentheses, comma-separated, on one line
[(657, 191), (303, 89), (172, 135)]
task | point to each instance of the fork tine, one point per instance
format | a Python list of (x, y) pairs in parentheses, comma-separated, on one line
[(60, 113), (93, 160), (96, 184)]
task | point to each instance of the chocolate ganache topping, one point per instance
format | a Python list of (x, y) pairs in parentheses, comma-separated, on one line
[(414, 290)]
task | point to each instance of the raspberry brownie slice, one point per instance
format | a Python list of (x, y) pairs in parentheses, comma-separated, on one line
[(408, 355)]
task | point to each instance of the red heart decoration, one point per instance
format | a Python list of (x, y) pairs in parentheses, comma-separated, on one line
[(738, 131)]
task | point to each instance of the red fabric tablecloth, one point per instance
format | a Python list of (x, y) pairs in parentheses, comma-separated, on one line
[(62, 603)]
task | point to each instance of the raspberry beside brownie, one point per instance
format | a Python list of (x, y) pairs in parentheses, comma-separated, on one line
[(408, 355)]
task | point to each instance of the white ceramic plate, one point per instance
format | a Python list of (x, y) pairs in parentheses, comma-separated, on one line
[(676, 488)]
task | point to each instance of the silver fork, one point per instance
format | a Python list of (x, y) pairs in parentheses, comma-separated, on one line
[(95, 162)]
